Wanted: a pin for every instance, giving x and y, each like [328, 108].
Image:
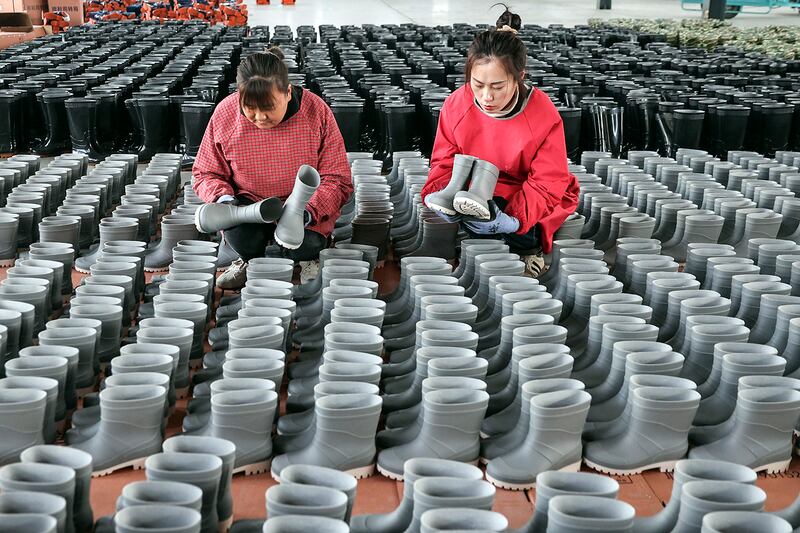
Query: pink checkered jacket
[237, 158]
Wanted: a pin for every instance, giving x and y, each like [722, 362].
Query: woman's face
[492, 85]
[266, 119]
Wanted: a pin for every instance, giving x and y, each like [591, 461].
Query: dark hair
[257, 77]
[504, 46]
[508, 18]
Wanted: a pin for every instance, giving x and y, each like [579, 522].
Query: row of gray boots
[612, 358]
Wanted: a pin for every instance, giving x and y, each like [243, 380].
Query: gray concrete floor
[433, 12]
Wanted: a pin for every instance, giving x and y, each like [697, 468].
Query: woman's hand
[499, 223]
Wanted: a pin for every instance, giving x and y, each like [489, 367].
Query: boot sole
[663, 466]
[468, 206]
[137, 464]
[82, 270]
[774, 468]
[574, 467]
[285, 244]
[441, 209]
[7, 263]
[253, 468]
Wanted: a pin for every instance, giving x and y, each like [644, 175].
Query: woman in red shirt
[495, 117]
[255, 142]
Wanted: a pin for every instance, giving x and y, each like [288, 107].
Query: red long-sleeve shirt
[528, 148]
[237, 158]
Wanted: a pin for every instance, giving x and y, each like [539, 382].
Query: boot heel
[363, 472]
[253, 469]
[774, 468]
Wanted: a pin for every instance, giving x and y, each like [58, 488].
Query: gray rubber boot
[699, 498]
[28, 291]
[536, 328]
[370, 312]
[450, 430]
[466, 275]
[111, 318]
[404, 426]
[648, 442]
[666, 363]
[726, 521]
[766, 324]
[245, 418]
[85, 340]
[534, 361]
[702, 339]
[51, 388]
[399, 520]
[200, 405]
[158, 519]
[552, 443]
[657, 293]
[78, 461]
[289, 231]
[151, 492]
[580, 513]
[24, 505]
[587, 354]
[505, 442]
[180, 337]
[552, 484]
[210, 218]
[442, 201]
[686, 471]
[412, 395]
[322, 477]
[44, 361]
[28, 523]
[613, 332]
[12, 320]
[129, 431]
[56, 368]
[616, 377]
[226, 451]
[685, 303]
[172, 231]
[313, 287]
[303, 523]
[448, 493]
[765, 417]
[47, 478]
[311, 500]
[193, 311]
[111, 229]
[22, 413]
[201, 470]
[344, 438]
[481, 188]
[9, 225]
[452, 519]
[717, 407]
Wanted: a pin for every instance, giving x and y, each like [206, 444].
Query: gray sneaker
[534, 265]
[235, 277]
[309, 270]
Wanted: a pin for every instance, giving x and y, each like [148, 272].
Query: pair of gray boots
[290, 215]
[457, 199]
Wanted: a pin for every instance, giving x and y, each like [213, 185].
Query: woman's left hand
[500, 223]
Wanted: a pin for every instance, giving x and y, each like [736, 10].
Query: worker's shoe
[235, 277]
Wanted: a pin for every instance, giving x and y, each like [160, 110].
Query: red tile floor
[647, 492]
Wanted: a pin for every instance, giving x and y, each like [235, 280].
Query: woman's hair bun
[276, 50]
[507, 18]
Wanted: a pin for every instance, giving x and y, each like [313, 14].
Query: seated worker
[255, 142]
[495, 117]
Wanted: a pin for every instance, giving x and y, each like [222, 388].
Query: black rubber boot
[177, 130]
[349, 115]
[399, 127]
[34, 131]
[687, 129]
[728, 128]
[776, 125]
[81, 117]
[571, 117]
[195, 117]
[56, 140]
[153, 115]
[10, 120]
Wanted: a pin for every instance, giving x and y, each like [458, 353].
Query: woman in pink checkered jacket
[257, 139]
